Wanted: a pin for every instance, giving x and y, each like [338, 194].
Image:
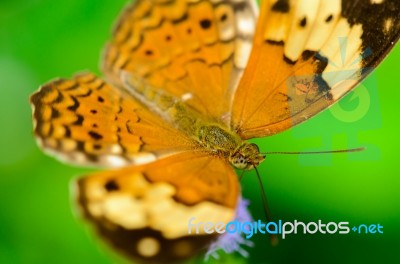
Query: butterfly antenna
[316, 152]
[273, 237]
[241, 175]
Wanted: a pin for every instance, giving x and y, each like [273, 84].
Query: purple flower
[233, 242]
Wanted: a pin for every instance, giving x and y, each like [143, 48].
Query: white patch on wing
[187, 96]
[152, 205]
[302, 20]
[148, 247]
[226, 26]
[112, 160]
[245, 22]
[242, 53]
[122, 209]
[332, 45]
[143, 158]
[327, 16]
[116, 149]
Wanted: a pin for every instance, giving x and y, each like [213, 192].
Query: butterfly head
[246, 156]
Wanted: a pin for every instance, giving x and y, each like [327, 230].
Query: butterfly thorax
[241, 154]
[215, 137]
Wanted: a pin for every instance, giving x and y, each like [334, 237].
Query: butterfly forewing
[195, 49]
[306, 56]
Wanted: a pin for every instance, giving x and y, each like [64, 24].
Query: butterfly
[187, 83]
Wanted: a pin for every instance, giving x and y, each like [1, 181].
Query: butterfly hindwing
[308, 54]
[196, 49]
[86, 121]
[144, 211]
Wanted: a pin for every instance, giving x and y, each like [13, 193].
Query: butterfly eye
[255, 147]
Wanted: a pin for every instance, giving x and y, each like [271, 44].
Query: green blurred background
[44, 39]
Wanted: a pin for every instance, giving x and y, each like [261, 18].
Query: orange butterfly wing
[86, 121]
[307, 55]
[192, 49]
[144, 211]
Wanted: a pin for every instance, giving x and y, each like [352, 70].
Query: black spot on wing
[80, 146]
[149, 52]
[323, 86]
[92, 157]
[303, 22]
[322, 62]
[59, 98]
[74, 86]
[79, 120]
[288, 61]
[55, 113]
[128, 127]
[205, 23]
[95, 135]
[111, 186]
[307, 54]
[223, 17]
[97, 146]
[67, 132]
[75, 105]
[181, 19]
[273, 42]
[281, 6]
[329, 19]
